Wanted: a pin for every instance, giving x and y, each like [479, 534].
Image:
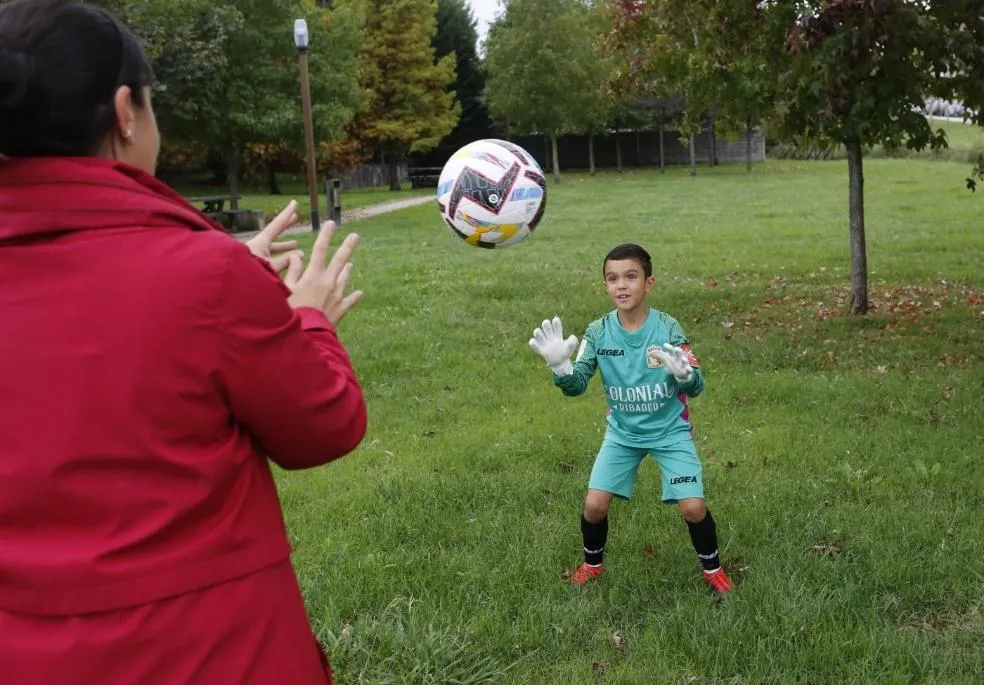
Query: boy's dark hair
[61, 63]
[629, 251]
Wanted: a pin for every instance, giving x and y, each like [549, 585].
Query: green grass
[291, 188]
[843, 455]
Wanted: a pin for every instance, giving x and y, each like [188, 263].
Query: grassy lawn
[842, 456]
[258, 198]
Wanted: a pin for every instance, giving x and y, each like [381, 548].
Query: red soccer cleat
[585, 573]
[718, 581]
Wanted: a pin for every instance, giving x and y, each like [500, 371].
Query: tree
[456, 33]
[543, 72]
[747, 54]
[963, 22]
[669, 47]
[226, 81]
[259, 90]
[859, 70]
[409, 101]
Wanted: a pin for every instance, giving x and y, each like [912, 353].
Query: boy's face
[626, 283]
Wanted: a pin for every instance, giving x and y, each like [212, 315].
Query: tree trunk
[591, 159]
[713, 144]
[859, 260]
[272, 179]
[693, 155]
[618, 151]
[394, 172]
[638, 148]
[748, 144]
[232, 176]
[662, 150]
[553, 157]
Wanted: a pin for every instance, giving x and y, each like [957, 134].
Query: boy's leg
[683, 483]
[594, 525]
[612, 475]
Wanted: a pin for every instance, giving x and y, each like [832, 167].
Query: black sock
[595, 536]
[704, 537]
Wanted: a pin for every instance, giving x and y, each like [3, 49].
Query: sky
[484, 12]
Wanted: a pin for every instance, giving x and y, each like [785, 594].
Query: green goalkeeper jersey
[647, 406]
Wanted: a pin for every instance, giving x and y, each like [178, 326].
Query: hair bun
[17, 74]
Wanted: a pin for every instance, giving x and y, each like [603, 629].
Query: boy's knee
[596, 505]
[693, 509]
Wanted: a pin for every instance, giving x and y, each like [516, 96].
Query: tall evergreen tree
[456, 33]
[410, 103]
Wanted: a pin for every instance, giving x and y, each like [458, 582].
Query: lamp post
[301, 41]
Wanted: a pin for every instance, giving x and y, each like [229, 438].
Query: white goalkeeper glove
[676, 362]
[548, 342]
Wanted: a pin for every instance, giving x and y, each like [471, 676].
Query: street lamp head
[301, 34]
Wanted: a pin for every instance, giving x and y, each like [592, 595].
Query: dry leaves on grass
[828, 549]
[618, 642]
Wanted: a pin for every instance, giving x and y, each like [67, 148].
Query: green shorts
[616, 466]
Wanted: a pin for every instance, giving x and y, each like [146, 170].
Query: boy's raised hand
[676, 362]
[548, 342]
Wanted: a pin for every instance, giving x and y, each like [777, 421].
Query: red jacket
[149, 365]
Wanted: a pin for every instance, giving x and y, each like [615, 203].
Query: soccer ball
[492, 193]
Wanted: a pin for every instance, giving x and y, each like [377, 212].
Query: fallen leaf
[564, 466]
[566, 575]
[731, 465]
[728, 323]
[618, 642]
[599, 667]
[713, 282]
[881, 369]
[828, 549]
[648, 552]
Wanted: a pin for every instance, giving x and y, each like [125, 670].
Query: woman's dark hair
[629, 251]
[61, 63]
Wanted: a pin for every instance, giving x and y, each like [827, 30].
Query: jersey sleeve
[695, 385]
[585, 365]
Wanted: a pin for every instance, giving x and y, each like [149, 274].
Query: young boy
[648, 372]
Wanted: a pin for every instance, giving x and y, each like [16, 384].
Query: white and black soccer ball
[492, 193]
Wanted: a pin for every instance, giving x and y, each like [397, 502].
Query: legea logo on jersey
[611, 353]
[652, 359]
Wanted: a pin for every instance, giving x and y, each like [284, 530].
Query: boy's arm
[678, 338]
[583, 369]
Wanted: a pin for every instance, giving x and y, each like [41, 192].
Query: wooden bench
[233, 219]
[215, 204]
[424, 177]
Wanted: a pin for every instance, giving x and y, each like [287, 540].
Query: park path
[356, 214]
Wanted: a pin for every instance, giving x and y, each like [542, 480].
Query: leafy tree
[409, 104]
[543, 71]
[963, 22]
[669, 47]
[227, 80]
[747, 54]
[859, 70]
